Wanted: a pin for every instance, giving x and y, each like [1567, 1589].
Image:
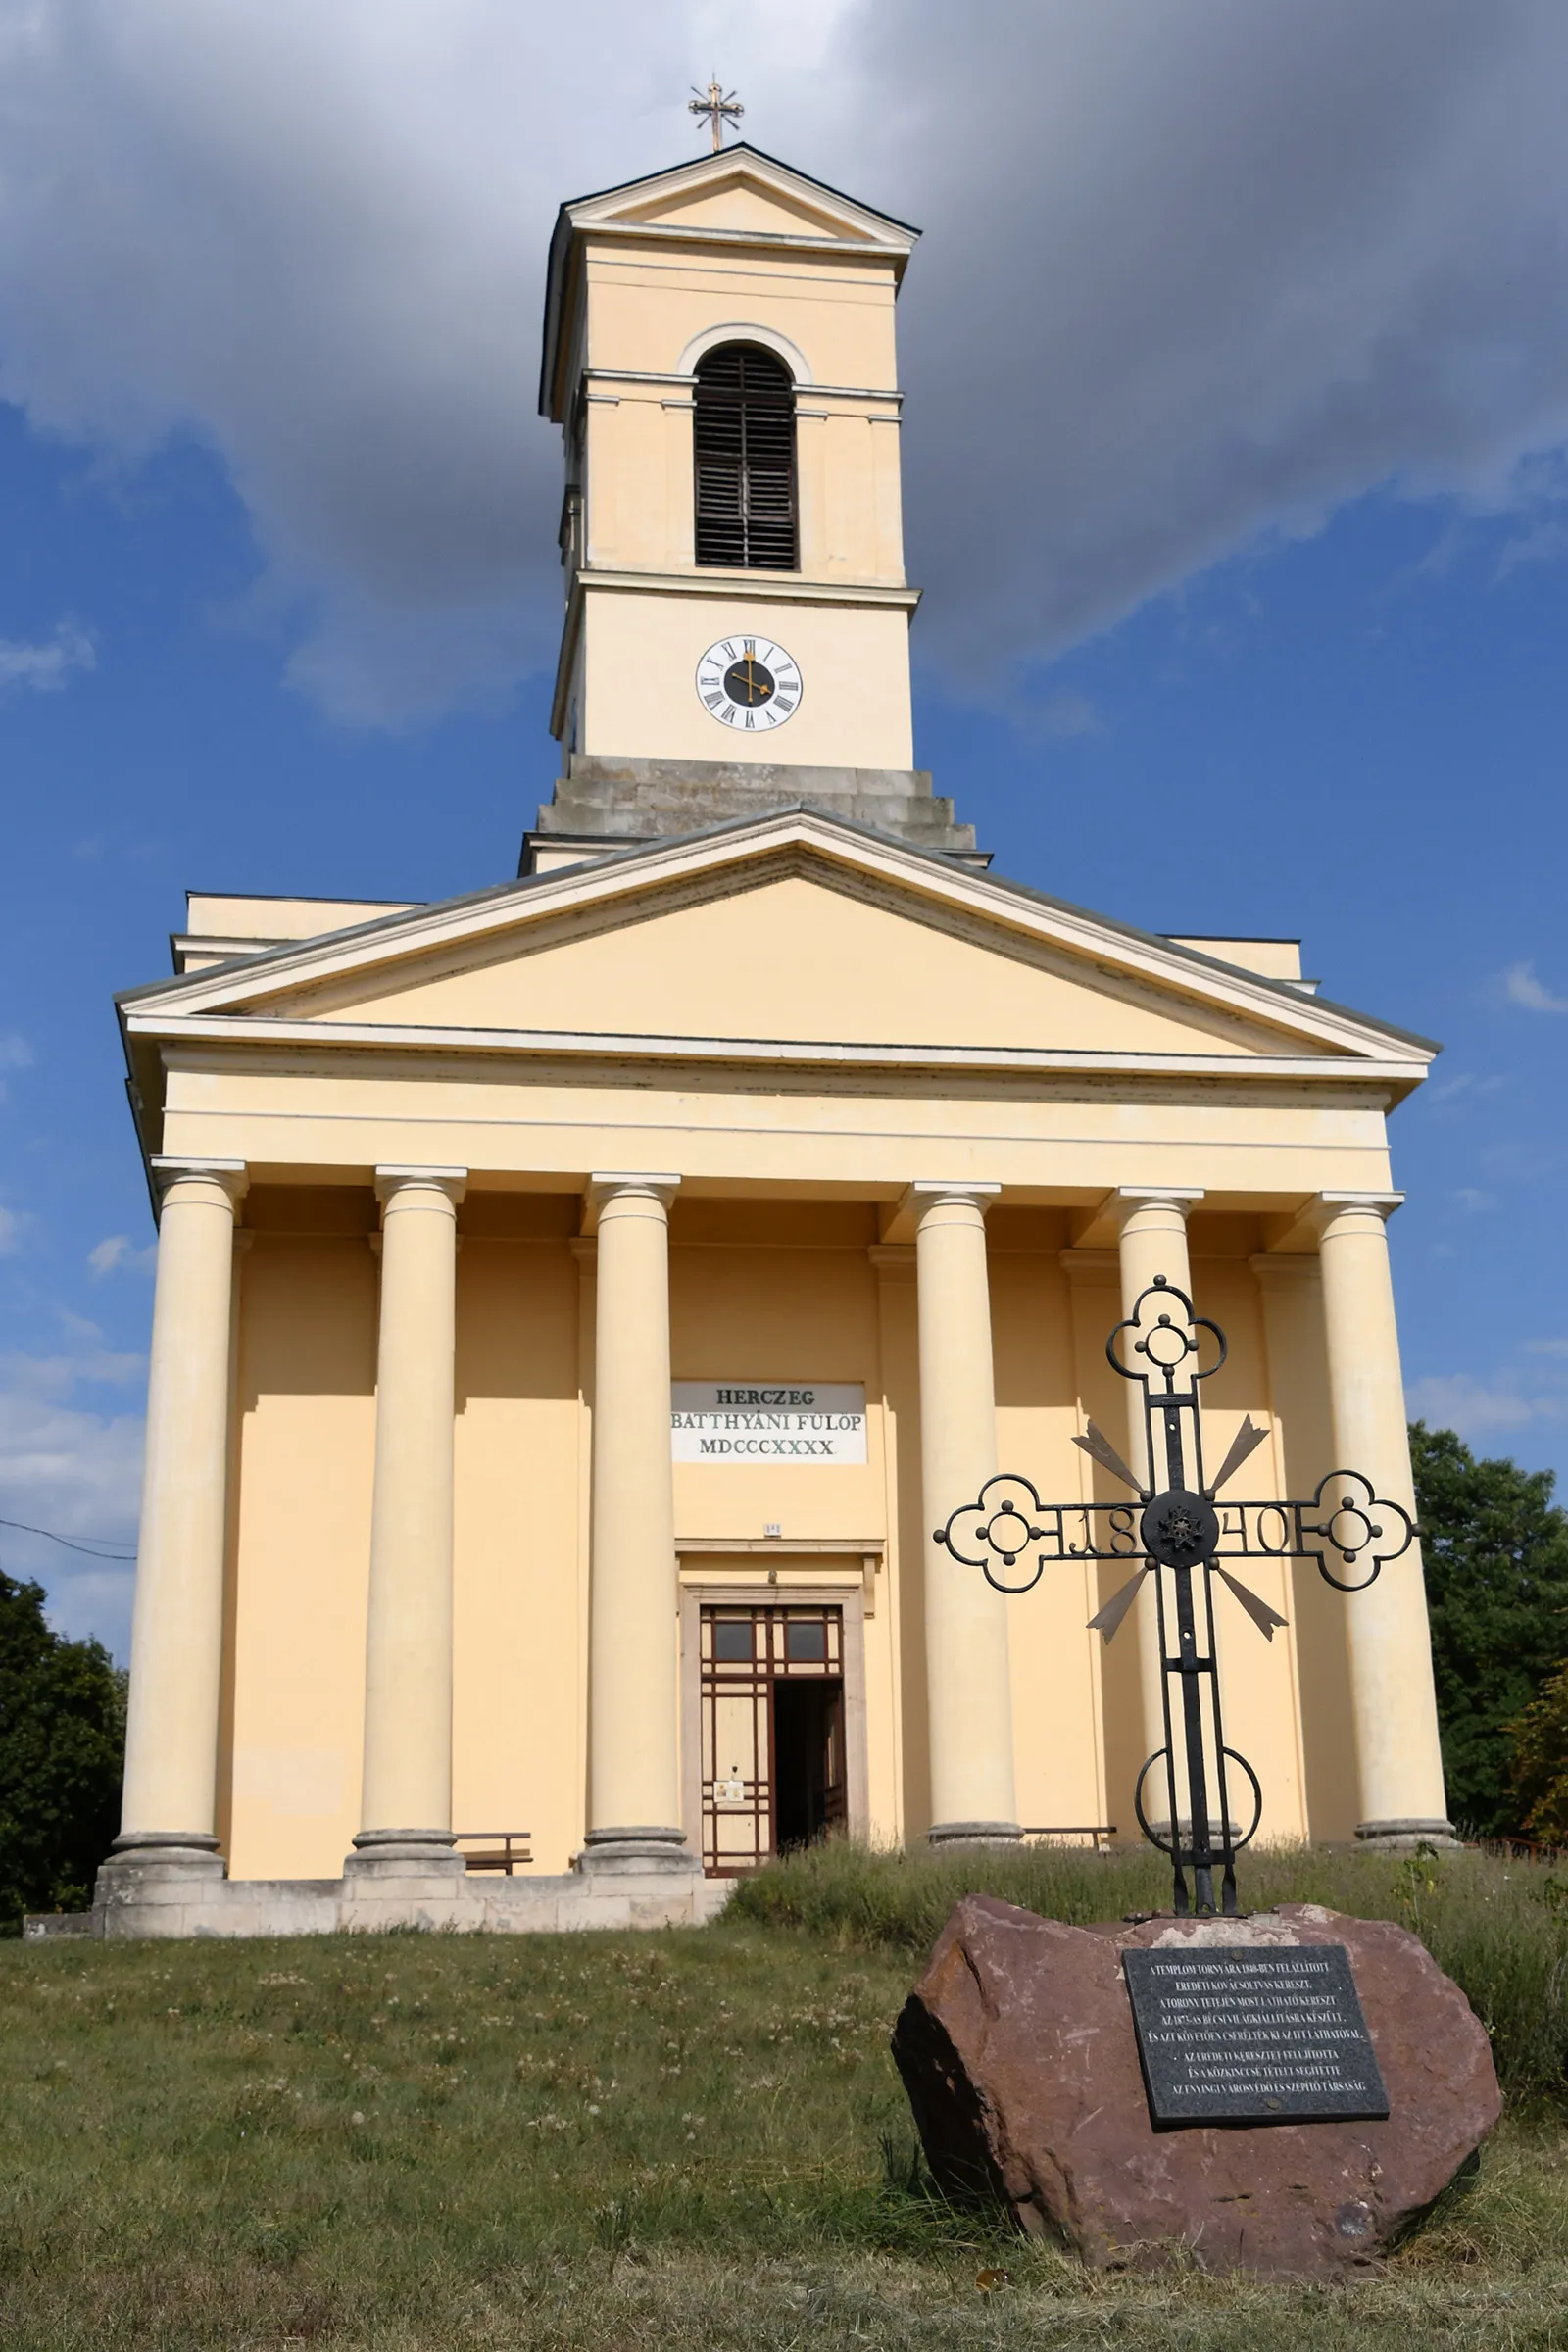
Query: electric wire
[96, 1547]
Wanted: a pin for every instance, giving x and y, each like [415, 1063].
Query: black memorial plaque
[1249, 2034]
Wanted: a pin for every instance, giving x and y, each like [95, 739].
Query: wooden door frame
[698, 1592]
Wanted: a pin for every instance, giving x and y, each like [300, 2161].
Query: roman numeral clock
[749, 682]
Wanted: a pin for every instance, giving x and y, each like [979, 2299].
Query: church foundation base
[475, 1902]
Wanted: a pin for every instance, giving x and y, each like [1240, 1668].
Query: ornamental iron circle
[1180, 1529]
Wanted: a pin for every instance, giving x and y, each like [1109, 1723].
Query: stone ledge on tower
[602, 804]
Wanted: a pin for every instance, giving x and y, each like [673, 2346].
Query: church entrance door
[772, 1700]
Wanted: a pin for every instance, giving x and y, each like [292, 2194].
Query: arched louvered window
[745, 452]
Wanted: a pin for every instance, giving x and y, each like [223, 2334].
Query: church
[580, 1303]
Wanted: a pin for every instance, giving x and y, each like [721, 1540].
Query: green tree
[1496, 1558]
[1540, 1763]
[62, 1745]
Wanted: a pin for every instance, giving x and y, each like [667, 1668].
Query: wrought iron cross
[718, 105]
[1185, 1538]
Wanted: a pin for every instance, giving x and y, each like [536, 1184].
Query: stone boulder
[1018, 2053]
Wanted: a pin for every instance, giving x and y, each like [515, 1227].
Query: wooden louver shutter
[745, 454]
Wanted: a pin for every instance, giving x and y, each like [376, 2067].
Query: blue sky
[1206, 661]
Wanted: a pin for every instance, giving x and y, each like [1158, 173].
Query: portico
[423, 1530]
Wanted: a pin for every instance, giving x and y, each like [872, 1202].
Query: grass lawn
[686, 2140]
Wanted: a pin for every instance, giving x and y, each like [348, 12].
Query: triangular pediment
[743, 191]
[745, 203]
[739, 196]
[793, 936]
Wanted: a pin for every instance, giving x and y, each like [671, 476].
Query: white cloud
[1193, 272]
[1444, 1095]
[1477, 1407]
[86, 1360]
[15, 1052]
[45, 668]
[11, 1226]
[1521, 987]
[117, 1249]
[1066, 715]
[80, 1474]
[1473, 1200]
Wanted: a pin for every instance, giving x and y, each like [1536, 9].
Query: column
[969, 1697]
[1291, 1289]
[633, 1660]
[406, 1795]
[1152, 1240]
[176, 1648]
[1392, 1695]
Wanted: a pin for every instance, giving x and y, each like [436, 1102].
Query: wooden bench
[1101, 1831]
[499, 1849]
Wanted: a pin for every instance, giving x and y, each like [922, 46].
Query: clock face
[749, 683]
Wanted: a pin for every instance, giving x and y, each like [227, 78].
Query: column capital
[169, 1168]
[619, 1183]
[1129, 1198]
[1328, 1207]
[392, 1180]
[927, 1193]
[926, 1189]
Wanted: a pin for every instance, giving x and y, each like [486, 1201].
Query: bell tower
[719, 355]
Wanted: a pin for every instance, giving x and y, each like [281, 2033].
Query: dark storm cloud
[1214, 269]
[1195, 270]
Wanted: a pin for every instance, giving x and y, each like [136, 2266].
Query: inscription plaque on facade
[1249, 2033]
[768, 1421]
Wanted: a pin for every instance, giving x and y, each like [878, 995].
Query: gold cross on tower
[717, 106]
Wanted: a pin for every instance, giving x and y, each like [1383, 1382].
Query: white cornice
[680, 380]
[786, 240]
[746, 587]
[174, 1030]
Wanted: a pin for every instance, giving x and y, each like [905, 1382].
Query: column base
[140, 1857]
[403, 1854]
[635, 1850]
[1403, 1836]
[975, 1833]
[155, 1876]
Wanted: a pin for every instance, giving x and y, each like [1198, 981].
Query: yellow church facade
[579, 1302]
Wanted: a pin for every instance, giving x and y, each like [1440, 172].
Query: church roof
[828, 218]
[1319, 1022]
